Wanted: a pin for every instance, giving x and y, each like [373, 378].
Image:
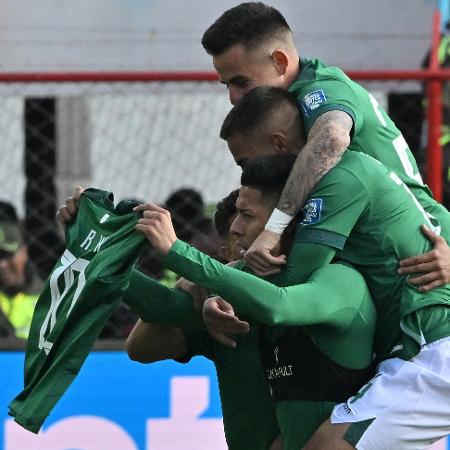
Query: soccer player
[252, 45]
[362, 213]
[326, 318]
[171, 328]
[305, 388]
[248, 413]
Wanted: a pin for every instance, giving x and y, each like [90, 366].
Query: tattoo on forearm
[327, 141]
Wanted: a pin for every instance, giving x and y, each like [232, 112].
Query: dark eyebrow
[244, 210]
[238, 79]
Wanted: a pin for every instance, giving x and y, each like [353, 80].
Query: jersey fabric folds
[82, 291]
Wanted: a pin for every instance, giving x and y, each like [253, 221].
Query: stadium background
[145, 138]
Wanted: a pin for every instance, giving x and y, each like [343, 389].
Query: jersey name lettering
[86, 244]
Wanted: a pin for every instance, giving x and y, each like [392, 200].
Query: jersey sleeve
[322, 96]
[269, 304]
[199, 343]
[337, 203]
[156, 303]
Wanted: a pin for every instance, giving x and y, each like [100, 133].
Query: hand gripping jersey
[81, 292]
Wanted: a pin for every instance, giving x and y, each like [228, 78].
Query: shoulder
[362, 166]
[313, 72]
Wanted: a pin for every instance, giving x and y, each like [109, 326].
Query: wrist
[278, 221]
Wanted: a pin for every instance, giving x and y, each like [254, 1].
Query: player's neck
[294, 72]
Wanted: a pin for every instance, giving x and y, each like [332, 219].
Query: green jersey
[370, 218]
[320, 88]
[248, 413]
[335, 338]
[82, 291]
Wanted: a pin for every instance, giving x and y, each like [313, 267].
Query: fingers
[265, 259]
[427, 282]
[149, 208]
[430, 286]
[223, 338]
[422, 263]
[431, 235]
[423, 279]
[219, 317]
[78, 191]
[63, 216]
[66, 213]
[230, 325]
[265, 264]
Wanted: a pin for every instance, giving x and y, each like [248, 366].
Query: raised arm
[156, 303]
[318, 301]
[327, 140]
[150, 342]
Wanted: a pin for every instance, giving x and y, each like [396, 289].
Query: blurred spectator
[190, 222]
[444, 61]
[19, 285]
[187, 209]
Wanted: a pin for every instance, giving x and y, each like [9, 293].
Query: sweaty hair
[255, 108]
[225, 211]
[248, 24]
[268, 173]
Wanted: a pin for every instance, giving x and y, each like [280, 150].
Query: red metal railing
[433, 76]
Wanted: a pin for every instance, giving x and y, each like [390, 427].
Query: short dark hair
[268, 173]
[254, 108]
[225, 211]
[247, 24]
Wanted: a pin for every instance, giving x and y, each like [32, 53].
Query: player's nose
[235, 227]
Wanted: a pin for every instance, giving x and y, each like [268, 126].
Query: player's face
[242, 70]
[253, 213]
[242, 148]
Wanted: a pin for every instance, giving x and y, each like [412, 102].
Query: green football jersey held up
[82, 291]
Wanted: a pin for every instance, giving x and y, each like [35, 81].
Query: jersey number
[399, 143]
[70, 266]
[428, 217]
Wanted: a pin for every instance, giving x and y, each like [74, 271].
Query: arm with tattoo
[327, 141]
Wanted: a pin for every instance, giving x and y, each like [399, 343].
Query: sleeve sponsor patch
[312, 211]
[312, 101]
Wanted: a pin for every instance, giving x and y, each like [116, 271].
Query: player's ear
[278, 141]
[280, 60]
